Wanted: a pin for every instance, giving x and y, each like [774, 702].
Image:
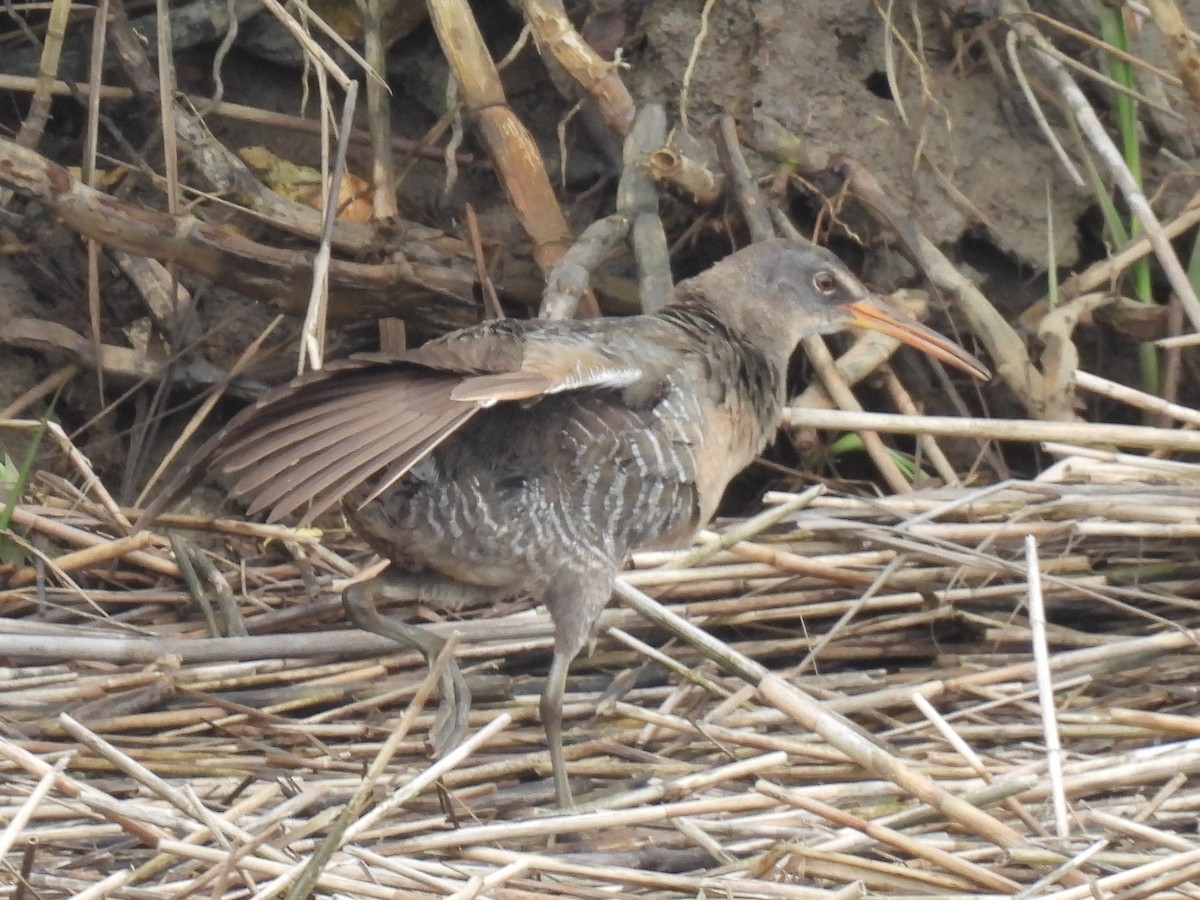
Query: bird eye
[824, 282]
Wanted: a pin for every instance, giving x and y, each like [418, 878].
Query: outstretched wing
[304, 446]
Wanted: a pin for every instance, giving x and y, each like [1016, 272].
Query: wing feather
[306, 445]
[550, 368]
[343, 473]
[284, 441]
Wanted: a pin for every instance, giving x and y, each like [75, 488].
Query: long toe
[450, 723]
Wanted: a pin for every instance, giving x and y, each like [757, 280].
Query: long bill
[876, 315]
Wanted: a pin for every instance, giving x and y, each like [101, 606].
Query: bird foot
[360, 599]
[450, 722]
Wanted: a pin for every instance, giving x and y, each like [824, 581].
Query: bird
[532, 457]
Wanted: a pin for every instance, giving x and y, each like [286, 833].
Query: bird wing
[548, 368]
[304, 446]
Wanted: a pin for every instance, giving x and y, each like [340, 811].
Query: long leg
[575, 605]
[551, 707]
[359, 601]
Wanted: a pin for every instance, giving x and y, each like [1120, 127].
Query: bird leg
[551, 708]
[360, 602]
[576, 600]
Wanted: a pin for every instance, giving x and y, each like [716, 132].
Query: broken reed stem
[1041, 661]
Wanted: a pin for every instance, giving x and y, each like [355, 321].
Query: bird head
[778, 292]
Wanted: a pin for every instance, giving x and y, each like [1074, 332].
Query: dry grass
[144, 757]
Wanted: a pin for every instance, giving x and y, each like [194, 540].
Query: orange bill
[877, 315]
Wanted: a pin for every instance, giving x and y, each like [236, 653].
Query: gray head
[777, 292]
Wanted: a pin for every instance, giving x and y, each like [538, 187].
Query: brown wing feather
[392, 394]
[550, 367]
[322, 466]
[302, 419]
[402, 465]
[281, 439]
[308, 444]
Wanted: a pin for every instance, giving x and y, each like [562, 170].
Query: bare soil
[924, 103]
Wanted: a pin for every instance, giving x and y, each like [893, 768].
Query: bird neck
[745, 376]
[747, 325]
[739, 393]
